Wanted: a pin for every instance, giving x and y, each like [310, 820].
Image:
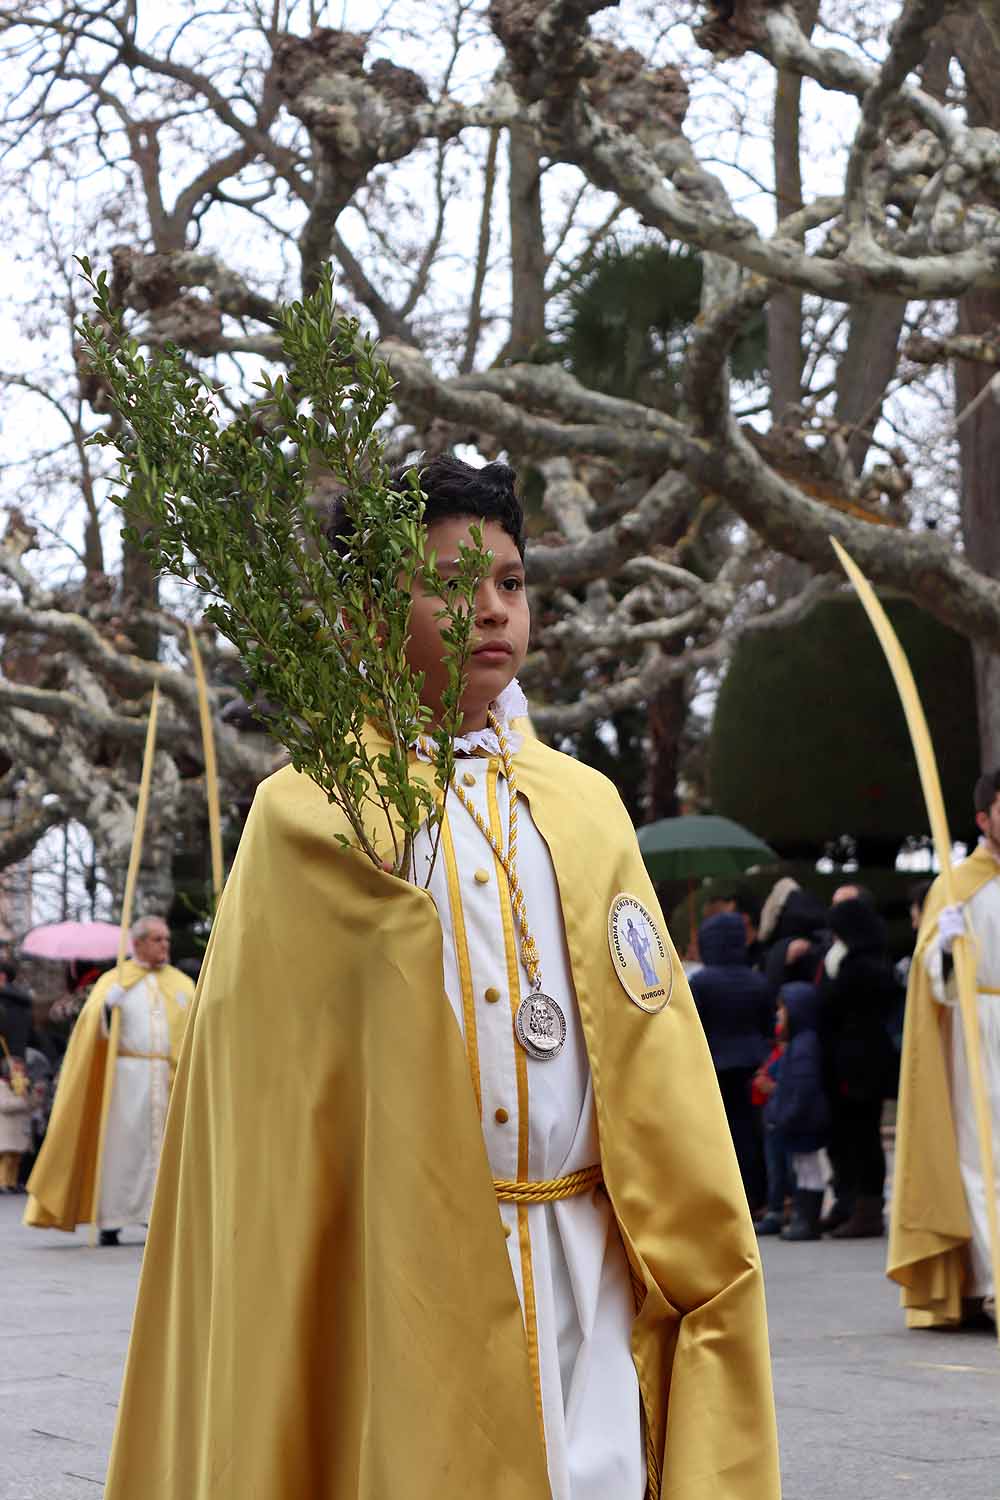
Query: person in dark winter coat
[860, 996]
[799, 940]
[799, 1106]
[15, 1010]
[737, 1011]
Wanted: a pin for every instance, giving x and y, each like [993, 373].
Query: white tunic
[983, 920]
[138, 1110]
[538, 1120]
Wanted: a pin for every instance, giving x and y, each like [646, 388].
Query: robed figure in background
[939, 1248]
[152, 998]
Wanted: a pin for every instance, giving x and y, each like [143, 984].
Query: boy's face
[502, 620]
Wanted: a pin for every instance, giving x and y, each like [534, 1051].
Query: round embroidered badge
[639, 954]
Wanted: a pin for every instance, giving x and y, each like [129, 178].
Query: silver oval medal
[540, 1026]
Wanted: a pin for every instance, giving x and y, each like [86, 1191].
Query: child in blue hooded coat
[799, 1107]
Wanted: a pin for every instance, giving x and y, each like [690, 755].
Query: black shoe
[109, 1236]
[840, 1212]
[805, 1219]
[771, 1223]
[866, 1222]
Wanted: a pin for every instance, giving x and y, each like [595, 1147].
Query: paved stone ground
[867, 1410]
[66, 1311]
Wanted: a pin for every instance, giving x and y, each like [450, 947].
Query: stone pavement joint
[66, 1315]
[865, 1408]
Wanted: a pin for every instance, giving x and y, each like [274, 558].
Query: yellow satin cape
[327, 1310]
[930, 1228]
[61, 1185]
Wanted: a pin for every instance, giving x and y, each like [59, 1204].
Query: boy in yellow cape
[939, 1238]
[448, 1208]
[154, 1000]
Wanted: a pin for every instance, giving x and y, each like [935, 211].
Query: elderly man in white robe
[143, 1074]
[152, 999]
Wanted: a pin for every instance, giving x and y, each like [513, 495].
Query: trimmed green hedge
[809, 740]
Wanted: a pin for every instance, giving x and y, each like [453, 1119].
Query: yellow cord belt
[548, 1191]
[149, 1056]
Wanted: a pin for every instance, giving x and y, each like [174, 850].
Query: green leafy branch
[228, 508]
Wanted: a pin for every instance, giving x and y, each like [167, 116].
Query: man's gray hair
[144, 925]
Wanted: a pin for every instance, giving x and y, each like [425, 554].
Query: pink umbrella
[69, 940]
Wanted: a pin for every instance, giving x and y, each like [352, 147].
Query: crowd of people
[27, 1070]
[802, 1008]
[31, 1056]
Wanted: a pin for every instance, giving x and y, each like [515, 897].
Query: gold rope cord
[548, 1190]
[962, 952]
[211, 769]
[135, 859]
[508, 860]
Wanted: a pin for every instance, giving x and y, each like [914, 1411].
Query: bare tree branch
[421, 390]
[631, 690]
[474, 324]
[782, 41]
[909, 45]
[983, 348]
[32, 824]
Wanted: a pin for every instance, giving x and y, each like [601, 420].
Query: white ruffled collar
[511, 704]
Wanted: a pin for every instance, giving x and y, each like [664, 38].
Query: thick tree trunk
[979, 432]
[666, 717]
[784, 309]
[866, 368]
[527, 247]
[141, 591]
[987, 665]
[979, 445]
[112, 826]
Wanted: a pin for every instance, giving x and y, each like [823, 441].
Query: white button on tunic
[539, 1122]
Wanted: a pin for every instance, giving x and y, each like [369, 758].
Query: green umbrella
[691, 847]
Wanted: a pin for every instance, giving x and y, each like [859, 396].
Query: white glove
[951, 924]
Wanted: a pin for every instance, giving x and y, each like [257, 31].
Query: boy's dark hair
[452, 488]
[986, 791]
